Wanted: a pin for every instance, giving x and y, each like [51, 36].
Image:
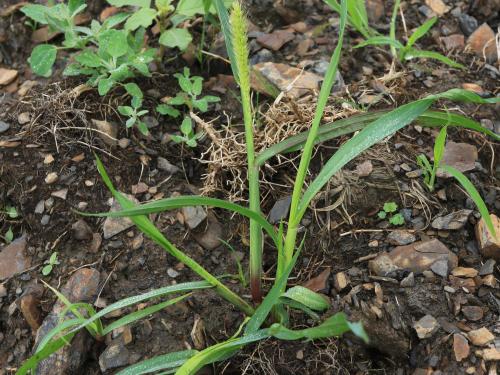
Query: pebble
[482, 43]
[23, 118]
[172, 273]
[29, 305]
[280, 210]
[464, 272]
[51, 178]
[107, 131]
[165, 165]
[114, 225]
[489, 247]
[45, 220]
[455, 220]
[115, 355]
[408, 281]
[61, 194]
[48, 159]
[480, 337]
[426, 327]
[340, 281]
[3, 291]
[449, 289]
[401, 237]
[82, 205]
[468, 24]
[473, 313]
[193, 215]
[460, 347]
[13, 258]
[4, 126]
[487, 268]
[81, 230]
[124, 143]
[40, 207]
[440, 268]
[491, 354]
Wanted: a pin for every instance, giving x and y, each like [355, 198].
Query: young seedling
[429, 171]
[47, 269]
[389, 211]
[189, 137]
[9, 235]
[405, 52]
[134, 114]
[357, 16]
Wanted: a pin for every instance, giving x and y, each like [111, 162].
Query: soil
[337, 239]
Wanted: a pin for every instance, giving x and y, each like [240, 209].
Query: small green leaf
[36, 12]
[9, 235]
[130, 122]
[134, 90]
[143, 128]
[177, 100]
[439, 146]
[390, 207]
[47, 270]
[421, 31]
[197, 85]
[144, 17]
[397, 219]
[415, 53]
[105, 85]
[186, 126]
[201, 104]
[53, 258]
[382, 214]
[125, 110]
[137, 3]
[89, 59]
[42, 59]
[165, 109]
[12, 212]
[211, 98]
[176, 37]
[113, 42]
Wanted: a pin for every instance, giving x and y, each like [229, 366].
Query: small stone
[124, 143]
[26, 86]
[114, 225]
[460, 347]
[107, 131]
[340, 281]
[115, 355]
[30, 308]
[124, 333]
[473, 313]
[452, 42]
[7, 76]
[426, 327]
[438, 6]
[375, 10]
[488, 245]
[45, 220]
[172, 273]
[210, 239]
[140, 188]
[48, 159]
[449, 289]
[24, 118]
[198, 333]
[482, 43]
[401, 237]
[40, 207]
[464, 272]
[475, 88]
[467, 23]
[51, 178]
[440, 268]
[408, 281]
[81, 230]
[319, 282]
[4, 126]
[467, 285]
[455, 220]
[491, 354]
[13, 258]
[137, 242]
[82, 205]
[165, 165]
[61, 194]
[461, 156]
[275, 40]
[480, 337]
[280, 210]
[299, 355]
[193, 215]
[373, 243]
[96, 242]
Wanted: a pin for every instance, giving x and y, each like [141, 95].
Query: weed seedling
[47, 269]
[390, 211]
[9, 235]
[134, 113]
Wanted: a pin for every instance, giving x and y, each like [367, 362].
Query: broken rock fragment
[453, 221]
[461, 156]
[275, 40]
[460, 347]
[480, 337]
[417, 257]
[482, 43]
[426, 326]
[489, 246]
[114, 225]
[13, 258]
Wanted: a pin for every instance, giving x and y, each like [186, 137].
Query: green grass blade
[272, 298]
[61, 327]
[226, 30]
[307, 297]
[474, 194]
[183, 201]
[380, 41]
[392, 30]
[421, 31]
[415, 53]
[439, 145]
[130, 318]
[147, 227]
[219, 352]
[161, 362]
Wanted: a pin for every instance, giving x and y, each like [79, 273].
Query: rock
[275, 40]
[482, 43]
[460, 347]
[464, 272]
[124, 143]
[408, 281]
[364, 169]
[140, 188]
[461, 156]
[282, 76]
[438, 6]
[7, 76]
[81, 230]
[452, 42]
[4, 126]
[48, 159]
[172, 273]
[108, 131]
[26, 87]
[40, 207]
[3, 291]
[340, 281]
[488, 245]
[458, 283]
[480, 337]
[475, 88]
[165, 165]
[137, 241]
[115, 355]
[319, 282]
[426, 327]
[440, 268]
[198, 333]
[416, 257]
[491, 354]
[95, 244]
[375, 10]
[61, 194]
[489, 280]
[467, 24]
[51, 178]
[45, 220]
[453, 221]
[81, 287]
[193, 215]
[473, 313]
[23, 118]
[114, 225]
[401, 237]
[13, 259]
[487, 268]
[210, 239]
[280, 210]
[30, 308]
